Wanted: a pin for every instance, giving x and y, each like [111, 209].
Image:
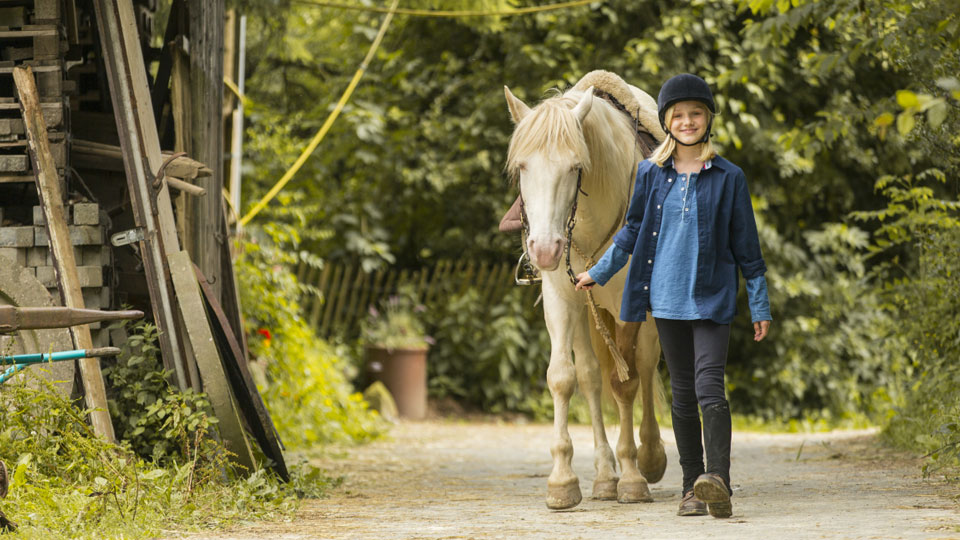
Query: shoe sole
[716, 497]
[692, 513]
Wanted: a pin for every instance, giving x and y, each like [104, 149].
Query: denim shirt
[726, 239]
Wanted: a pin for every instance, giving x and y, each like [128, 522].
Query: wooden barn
[112, 167]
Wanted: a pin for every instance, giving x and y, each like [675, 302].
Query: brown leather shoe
[690, 505]
[711, 489]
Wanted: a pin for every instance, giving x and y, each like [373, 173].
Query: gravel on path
[461, 480]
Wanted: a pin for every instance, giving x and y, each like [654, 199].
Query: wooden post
[205, 24]
[64, 262]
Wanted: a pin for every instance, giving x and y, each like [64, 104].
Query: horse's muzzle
[545, 252]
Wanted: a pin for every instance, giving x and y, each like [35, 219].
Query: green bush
[68, 483]
[493, 357]
[919, 239]
[159, 422]
[302, 378]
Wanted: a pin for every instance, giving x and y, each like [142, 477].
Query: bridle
[571, 222]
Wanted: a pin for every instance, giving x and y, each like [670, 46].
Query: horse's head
[547, 152]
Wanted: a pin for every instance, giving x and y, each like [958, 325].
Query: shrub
[301, 376]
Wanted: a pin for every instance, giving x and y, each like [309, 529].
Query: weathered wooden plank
[341, 292]
[200, 340]
[48, 189]
[137, 131]
[205, 22]
[329, 299]
[252, 408]
[317, 308]
[30, 32]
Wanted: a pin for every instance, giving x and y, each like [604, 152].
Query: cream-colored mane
[605, 147]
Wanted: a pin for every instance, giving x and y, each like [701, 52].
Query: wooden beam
[201, 342]
[137, 132]
[65, 265]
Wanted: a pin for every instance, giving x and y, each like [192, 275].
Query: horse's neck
[601, 212]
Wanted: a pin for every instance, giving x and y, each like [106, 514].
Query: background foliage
[301, 377]
[843, 114]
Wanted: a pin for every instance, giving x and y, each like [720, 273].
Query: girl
[689, 227]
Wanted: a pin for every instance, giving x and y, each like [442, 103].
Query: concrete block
[17, 255]
[90, 276]
[39, 218]
[92, 256]
[16, 237]
[80, 235]
[91, 298]
[86, 214]
[38, 256]
[105, 298]
[47, 276]
[118, 337]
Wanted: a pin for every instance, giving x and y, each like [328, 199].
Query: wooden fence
[338, 296]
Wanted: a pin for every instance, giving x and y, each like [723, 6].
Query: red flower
[267, 336]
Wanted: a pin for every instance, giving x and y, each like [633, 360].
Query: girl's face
[689, 122]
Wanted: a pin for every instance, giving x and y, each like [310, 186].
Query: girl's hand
[760, 330]
[584, 281]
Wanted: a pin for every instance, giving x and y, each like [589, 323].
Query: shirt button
[687, 209]
[649, 261]
[669, 179]
[646, 288]
[654, 233]
[658, 207]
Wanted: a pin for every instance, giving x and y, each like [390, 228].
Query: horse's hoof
[563, 497]
[605, 490]
[652, 463]
[635, 491]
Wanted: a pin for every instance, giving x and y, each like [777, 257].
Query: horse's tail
[605, 357]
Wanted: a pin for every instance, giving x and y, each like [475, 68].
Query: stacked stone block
[28, 245]
[31, 34]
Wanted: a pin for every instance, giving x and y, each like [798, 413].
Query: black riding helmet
[685, 87]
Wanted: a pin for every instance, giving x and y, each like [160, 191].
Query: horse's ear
[518, 109]
[583, 108]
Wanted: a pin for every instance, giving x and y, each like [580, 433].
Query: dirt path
[436, 480]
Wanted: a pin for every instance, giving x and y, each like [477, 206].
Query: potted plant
[396, 346]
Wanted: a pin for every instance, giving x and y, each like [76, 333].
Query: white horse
[578, 151]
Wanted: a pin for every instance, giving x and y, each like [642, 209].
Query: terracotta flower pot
[404, 372]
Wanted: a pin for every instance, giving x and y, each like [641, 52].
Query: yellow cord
[326, 125]
[450, 13]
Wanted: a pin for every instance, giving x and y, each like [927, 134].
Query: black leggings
[696, 354]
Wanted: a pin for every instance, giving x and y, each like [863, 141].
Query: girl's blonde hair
[667, 148]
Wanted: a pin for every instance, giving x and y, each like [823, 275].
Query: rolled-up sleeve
[744, 240]
[758, 298]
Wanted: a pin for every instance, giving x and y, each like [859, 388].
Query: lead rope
[623, 371]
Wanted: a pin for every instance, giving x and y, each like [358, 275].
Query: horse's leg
[652, 459]
[563, 488]
[588, 376]
[633, 486]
